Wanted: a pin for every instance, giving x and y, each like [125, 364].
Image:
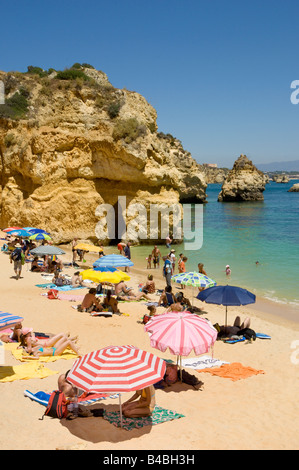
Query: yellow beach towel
[34, 370]
[19, 354]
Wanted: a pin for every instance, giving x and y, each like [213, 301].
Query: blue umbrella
[113, 260]
[104, 269]
[33, 231]
[226, 295]
[20, 233]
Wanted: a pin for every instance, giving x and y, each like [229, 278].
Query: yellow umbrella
[98, 276]
[87, 247]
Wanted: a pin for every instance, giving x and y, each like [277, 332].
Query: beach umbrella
[39, 236]
[104, 269]
[47, 250]
[116, 369]
[193, 279]
[98, 276]
[9, 229]
[87, 247]
[19, 233]
[227, 295]
[114, 260]
[8, 320]
[33, 231]
[181, 332]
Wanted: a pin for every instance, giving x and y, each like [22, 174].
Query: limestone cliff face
[79, 143]
[243, 183]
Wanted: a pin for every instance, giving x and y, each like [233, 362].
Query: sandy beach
[259, 412]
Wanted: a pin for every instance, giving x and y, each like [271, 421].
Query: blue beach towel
[60, 288]
[43, 398]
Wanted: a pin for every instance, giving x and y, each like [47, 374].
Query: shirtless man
[90, 302]
[156, 254]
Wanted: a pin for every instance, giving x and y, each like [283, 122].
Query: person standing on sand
[127, 253]
[201, 271]
[156, 254]
[167, 270]
[16, 258]
[74, 243]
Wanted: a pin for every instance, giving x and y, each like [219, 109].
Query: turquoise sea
[239, 234]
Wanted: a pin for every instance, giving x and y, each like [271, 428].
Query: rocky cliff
[70, 141]
[243, 183]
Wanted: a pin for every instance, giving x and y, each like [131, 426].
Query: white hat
[17, 245]
[172, 251]
[227, 266]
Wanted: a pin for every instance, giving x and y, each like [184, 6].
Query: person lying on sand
[49, 347]
[125, 293]
[227, 331]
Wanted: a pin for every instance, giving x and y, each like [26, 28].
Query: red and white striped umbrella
[116, 369]
[181, 332]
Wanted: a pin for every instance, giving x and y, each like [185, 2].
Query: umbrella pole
[120, 411]
[181, 368]
[226, 315]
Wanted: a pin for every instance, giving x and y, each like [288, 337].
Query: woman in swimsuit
[45, 347]
[59, 348]
[142, 403]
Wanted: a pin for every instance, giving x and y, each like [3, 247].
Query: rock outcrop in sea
[70, 141]
[294, 188]
[243, 183]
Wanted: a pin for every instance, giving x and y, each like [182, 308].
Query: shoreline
[266, 308]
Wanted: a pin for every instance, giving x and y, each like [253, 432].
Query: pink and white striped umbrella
[181, 332]
[116, 369]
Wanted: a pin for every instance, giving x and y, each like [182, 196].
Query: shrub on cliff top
[16, 106]
[129, 130]
[71, 74]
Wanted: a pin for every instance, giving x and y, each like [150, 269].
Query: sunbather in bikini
[47, 347]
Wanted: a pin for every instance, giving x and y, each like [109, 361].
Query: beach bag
[57, 405]
[247, 333]
[53, 294]
[16, 255]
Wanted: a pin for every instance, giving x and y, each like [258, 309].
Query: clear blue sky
[217, 72]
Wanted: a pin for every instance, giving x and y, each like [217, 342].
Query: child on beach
[227, 270]
[149, 262]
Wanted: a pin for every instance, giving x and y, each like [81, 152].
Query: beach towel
[86, 399]
[33, 370]
[18, 354]
[70, 297]
[50, 285]
[202, 362]
[160, 415]
[234, 371]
